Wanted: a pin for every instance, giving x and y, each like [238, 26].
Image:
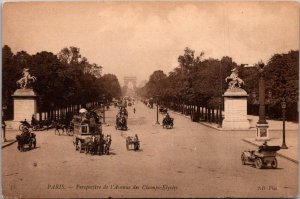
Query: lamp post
[262, 125]
[268, 102]
[283, 106]
[157, 122]
[3, 125]
[103, 108]
[220, 113]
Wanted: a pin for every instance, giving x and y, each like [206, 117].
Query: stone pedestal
[235, 109]
[24, 106]
[262, 132]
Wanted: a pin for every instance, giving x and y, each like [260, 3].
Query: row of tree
[199, 81]
[62, 79]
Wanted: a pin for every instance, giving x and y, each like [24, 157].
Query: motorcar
[262, 157]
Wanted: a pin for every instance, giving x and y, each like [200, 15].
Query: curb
[221, 129]
[8, 144]
[283, 156]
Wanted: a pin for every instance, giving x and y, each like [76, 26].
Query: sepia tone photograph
[154, 99]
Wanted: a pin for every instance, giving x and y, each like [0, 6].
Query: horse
[107, 142]
[91, 145]
[235, 81]
[23, 82]
[59, 126]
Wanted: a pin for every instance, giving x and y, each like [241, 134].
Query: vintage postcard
[154, 99]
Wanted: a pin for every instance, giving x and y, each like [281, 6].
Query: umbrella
[83, 110]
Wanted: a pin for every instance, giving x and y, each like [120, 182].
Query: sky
[137, 38]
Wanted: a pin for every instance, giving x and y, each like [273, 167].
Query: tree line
[199, 81]
[63, 79]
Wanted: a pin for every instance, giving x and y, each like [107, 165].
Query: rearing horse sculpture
[24, 81]
[235, 80]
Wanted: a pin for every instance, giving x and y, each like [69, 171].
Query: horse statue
[235, 81]
[26, 79]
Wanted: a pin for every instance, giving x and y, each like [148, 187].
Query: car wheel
[21, 127]
[243, 158]
[258, 163]
[274, 164]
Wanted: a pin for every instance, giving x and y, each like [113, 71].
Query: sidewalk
[275, 135]
[10, 137]
[291, 141]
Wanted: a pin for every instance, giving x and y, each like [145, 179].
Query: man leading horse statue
[25, 81]
[235, 81]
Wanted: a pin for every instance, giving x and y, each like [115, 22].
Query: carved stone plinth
[24, 106]
[235, 109]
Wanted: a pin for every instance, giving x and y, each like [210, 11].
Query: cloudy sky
[134, 38]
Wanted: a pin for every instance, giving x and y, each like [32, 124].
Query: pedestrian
[134, 110]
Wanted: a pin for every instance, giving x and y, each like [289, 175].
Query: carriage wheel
[274, 164]
[21, 127]
[243, 158]
[258, 163]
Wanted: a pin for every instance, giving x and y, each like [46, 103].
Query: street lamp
[220, 113]
[262, 125]
[157, 122]
[3, 125]
[283, 106]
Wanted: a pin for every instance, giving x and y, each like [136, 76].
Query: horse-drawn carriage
[121, 119]
[121, 122]
[27, 139]
[132, 143]
[82, 131]
[168, 122]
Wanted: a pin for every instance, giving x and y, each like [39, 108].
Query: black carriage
[132, 143]
[26, 139]
[121, 122]
[168, 122]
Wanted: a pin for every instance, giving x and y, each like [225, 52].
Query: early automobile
[262, 157]
[26, 140]
[83, 131]
[133, 143]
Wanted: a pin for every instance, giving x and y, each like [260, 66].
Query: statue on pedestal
[235, 81]
[25, 81]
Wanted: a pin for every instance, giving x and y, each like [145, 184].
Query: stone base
[235, 109]
[24, 104]
[236, 125]
[12, 125]
[262, 132]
